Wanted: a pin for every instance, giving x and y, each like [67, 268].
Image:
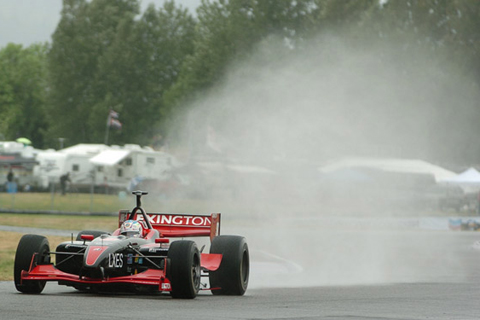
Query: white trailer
[117, 167]
[52, 164]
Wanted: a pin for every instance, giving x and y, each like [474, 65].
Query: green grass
[61, 222]
[9, 241]
[46, 202]
[77, 202]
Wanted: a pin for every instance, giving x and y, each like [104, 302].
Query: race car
[141, 256]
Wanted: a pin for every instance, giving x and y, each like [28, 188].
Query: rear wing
[179, 225]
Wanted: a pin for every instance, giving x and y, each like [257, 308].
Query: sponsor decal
[138, 259]
[93, 252]
[129, 258]
[115, 260]
[155, 250]
[178, 220]
[166, 286]
[49, 165]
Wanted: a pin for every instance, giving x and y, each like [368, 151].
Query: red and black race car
[147, 263]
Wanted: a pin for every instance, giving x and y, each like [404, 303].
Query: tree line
[147, 66]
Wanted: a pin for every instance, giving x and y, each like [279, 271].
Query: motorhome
[51, 165]
[118, 166]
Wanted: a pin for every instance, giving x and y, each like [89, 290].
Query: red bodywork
[180, 225]
[168, 226]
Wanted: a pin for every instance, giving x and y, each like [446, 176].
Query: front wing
[154, 277]
[49, 273]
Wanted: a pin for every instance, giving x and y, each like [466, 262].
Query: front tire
[29, 245]
[232, 276]
[183, 269]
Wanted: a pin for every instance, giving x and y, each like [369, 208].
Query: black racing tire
[29, 245]
[232, 275]
[94, 233]
[183, 269]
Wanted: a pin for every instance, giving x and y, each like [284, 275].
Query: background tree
[143, 61]
[228, 31]
[104, 58]
[23, 88]
[448, 33]
[147, 66]
[84, 34]
[406, 45]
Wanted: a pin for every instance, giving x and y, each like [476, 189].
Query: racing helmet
[131, 228]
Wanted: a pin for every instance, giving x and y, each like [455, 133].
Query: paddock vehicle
[153, 262]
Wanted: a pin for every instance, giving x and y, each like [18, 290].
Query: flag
[112, 120]
[115, 123]
[113, 114]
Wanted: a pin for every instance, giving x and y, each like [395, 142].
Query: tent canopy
[469, 176]
[109, 157]
[390, 165]
[24, 140]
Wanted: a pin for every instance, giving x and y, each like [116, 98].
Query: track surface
[401, 301]
[309, 275]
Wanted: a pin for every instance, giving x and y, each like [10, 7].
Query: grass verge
[9, 241]
[61, 222]
[73, 202]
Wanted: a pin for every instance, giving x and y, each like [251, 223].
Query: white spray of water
[289, 113]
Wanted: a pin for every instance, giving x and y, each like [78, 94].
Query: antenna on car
[138, 207]
[139, 195]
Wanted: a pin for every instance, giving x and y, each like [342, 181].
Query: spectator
[63, 182]
[10, 175]
[11, 184]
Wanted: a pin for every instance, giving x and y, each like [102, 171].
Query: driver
[131, 228]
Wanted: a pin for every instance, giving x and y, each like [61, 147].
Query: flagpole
[107, 129]
[112, 120]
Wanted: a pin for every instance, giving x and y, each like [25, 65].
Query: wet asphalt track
[436, 275]
[401, 301]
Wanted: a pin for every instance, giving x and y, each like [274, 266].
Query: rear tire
[232, 275]
[29, 245]
[183, 269]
